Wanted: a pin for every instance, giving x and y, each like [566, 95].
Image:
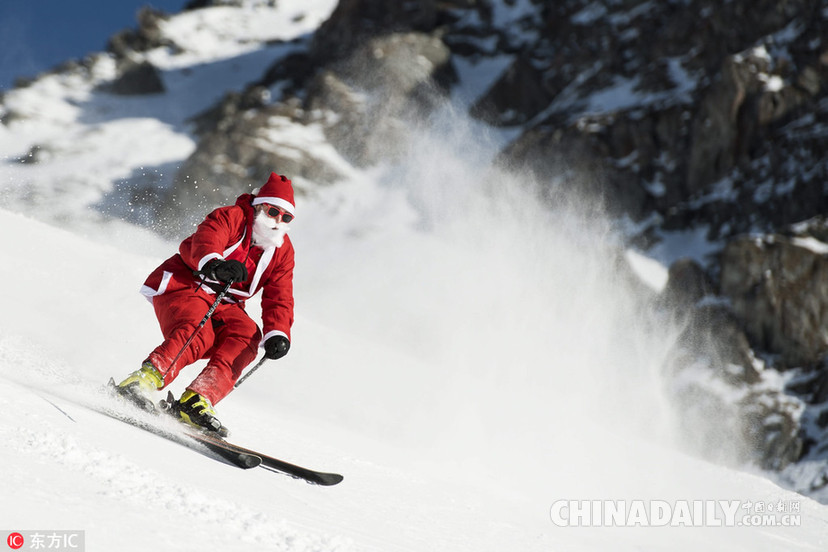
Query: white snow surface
[440, 448]
[457, 418]
[465, 357]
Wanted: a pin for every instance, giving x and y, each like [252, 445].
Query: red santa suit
[181, 297]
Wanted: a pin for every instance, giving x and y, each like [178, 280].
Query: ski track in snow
[48, 435]
[116, 479]
[87, 460]
[462, 491]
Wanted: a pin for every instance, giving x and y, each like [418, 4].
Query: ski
[213, 445]
[238, 459]
[268, 462]
[235, 458]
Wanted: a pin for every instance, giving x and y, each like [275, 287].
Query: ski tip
[328, 479]
[248, 461]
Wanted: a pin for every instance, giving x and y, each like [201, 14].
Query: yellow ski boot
[139, 386]
[197, 411]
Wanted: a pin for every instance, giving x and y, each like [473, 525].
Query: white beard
[267, 232]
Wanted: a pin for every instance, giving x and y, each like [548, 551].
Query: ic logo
[15, 541]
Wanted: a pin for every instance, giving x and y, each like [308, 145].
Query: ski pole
[250, 373]
[219, 296]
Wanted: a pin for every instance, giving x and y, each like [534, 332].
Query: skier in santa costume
[244, 245]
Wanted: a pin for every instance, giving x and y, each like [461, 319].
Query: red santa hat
[277, 192]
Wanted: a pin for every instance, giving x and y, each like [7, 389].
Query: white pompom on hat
[278, 191]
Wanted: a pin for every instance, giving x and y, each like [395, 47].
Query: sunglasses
[276, 213]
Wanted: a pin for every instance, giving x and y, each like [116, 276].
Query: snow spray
[488, 326]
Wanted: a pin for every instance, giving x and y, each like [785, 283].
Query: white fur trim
[207, 258]
[149, 293]
[235, 246]
[276, 201]
[261, 267]
[272, 333]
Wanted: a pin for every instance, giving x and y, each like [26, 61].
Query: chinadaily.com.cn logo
[676, 513]
[46, 541]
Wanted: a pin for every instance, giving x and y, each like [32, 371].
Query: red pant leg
[179, 313]
[235, 346]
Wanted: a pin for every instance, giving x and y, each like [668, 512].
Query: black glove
[276, 347]
[225, 271]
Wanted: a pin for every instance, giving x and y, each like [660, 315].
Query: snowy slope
[441, 449]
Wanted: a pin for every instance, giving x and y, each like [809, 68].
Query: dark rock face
[138, 77]
[761, 426]
[771, 428]
[359, 103]
[353, 22]
[633, 87]
[373, 91]
[146, 37]
[516, 97]
[779, 288]
[137, 80]
[241, 145]
[358, 81]
[687, 285]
